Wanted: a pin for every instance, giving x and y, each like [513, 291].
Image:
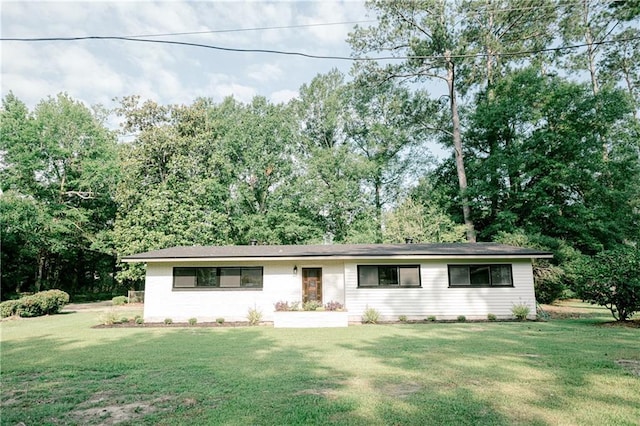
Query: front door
[311, 284]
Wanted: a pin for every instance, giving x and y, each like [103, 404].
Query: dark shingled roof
[338, 250]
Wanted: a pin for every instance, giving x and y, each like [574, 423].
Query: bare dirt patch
[318, 392]
[111, 413]
[632, 365]
[568, 309]
[402, 390]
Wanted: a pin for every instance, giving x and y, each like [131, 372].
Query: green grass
[58, 370]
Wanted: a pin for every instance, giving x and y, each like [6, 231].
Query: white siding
[436, 298]
[279, 283]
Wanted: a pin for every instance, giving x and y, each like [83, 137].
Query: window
[220, 278]
[480, 276]
[388, 276]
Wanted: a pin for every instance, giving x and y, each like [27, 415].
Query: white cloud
[97, 71]
[265, 72]
[283, 96]
[221, 86]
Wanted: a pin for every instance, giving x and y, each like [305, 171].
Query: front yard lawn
[59, 370]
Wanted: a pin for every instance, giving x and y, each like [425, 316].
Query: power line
[237, 30]
[308, 55]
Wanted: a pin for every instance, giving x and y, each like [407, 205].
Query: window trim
[216, 288]
[397, 266]
[490, 285]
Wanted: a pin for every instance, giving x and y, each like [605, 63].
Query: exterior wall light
[295, 270]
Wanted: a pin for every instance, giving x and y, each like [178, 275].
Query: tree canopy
[536, 102]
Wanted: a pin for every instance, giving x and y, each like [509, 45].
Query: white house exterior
[412, 280]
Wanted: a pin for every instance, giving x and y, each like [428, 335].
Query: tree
[426, 36]
[385, 126]
[421, 224]
[538, 164]
[59, 175]
[329, 173]
[611, 279]
[176, 179]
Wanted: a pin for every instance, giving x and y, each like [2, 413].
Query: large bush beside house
[611, 279]
[42, 303]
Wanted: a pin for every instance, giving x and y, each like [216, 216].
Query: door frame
[319, 294]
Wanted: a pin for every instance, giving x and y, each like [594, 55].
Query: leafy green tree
[611, 279]
[58, 179]
[329, 173]
[426, 36]
[385, 126]
[538, 163]
[421, 224]
[176, 179]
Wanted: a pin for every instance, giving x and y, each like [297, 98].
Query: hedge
[35, 305]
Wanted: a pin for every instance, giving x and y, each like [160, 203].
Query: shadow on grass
[369, 375]
[529, 372]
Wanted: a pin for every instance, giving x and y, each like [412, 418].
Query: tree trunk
[457, 144]
[591, 59]
[378, 203]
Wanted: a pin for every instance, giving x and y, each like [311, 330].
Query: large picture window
[388, 276]
[220, 278]
[480, 276]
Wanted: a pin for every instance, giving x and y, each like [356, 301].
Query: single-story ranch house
[415, 281]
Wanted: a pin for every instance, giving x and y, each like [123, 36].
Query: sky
[97, 71]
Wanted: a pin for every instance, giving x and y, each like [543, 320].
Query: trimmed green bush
[119, 300]
[254, 316]
[139, 320]
[370, 316]
[9, 308]
[311, 305]
[168, 321]
[220, 320]
[520, 311]
[431, 318]
[42, 303]
[462, 318]
[193, 321]
[491, 317]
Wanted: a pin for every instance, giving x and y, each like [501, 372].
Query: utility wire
[237, 30]
[308, 55]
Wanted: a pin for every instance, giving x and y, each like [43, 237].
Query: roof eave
[336, 257]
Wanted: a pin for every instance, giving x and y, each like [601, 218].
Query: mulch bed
[132, 324]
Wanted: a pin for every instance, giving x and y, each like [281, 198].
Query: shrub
[462, 318]
[254, 316]
[168, 321]
[193, 321]
[53, 301]
[311, 305]
[402, 318]
[520, 311]
[282, 306]
[124, 320]
[108, 318]
[31, 306]
[431, 318]
[220, 320]
[611, 279]
[334, 306]
[42, 303]
[491, 317]
[9, 308]
[294, 306]
[139, 320]
[370, 316]
[119, 300]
